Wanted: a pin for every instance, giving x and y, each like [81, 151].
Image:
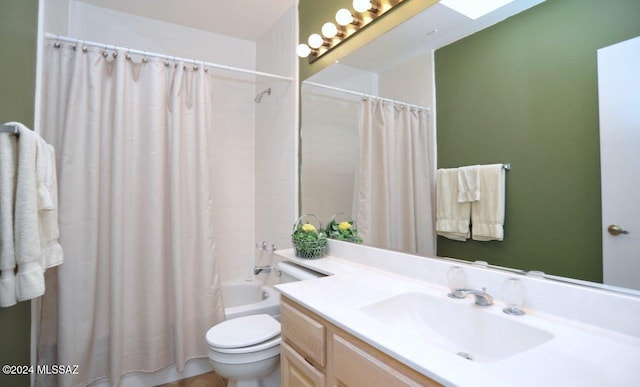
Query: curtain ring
[56, 44]
[144, 57]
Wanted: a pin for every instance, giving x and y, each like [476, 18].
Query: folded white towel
[469, 183]
[487, 214]
[30, 277]
[8, 289]
[44, 173]
[452, 217]
[8, 164]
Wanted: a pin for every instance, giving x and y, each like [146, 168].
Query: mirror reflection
[522, 91]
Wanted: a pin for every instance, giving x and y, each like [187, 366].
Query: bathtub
[244, 298]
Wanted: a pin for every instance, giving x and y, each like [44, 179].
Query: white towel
[487, 214]
[469, 183]
[8, 164]
[452, 217]
[30, 277]
[45, 173]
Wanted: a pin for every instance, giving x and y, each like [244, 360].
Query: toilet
[246, 350]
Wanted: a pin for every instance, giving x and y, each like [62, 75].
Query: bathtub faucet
[259, 269]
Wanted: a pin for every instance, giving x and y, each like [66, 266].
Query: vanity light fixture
[315, 41]
[329, 30]
[344, 17]
[303, 50]
[364, 6]
[350, 25]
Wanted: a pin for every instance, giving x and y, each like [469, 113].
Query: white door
[619, 98]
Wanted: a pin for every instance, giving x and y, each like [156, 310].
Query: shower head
[261, 94]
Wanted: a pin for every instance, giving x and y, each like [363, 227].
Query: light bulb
[315, 41]
[344, 17]
[362, 5]
[303, 50]
[329, 30]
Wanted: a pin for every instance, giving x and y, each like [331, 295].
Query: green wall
[18, 26]
[525, 92]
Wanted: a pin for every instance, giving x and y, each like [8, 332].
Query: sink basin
[457, 326]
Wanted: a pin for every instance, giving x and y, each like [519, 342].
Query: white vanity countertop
[577, 355]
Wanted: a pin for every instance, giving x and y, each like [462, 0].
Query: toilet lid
[243, 331]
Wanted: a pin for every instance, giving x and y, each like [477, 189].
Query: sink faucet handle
[513, 293]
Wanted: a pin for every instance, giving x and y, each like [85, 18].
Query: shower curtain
[139, 287]
[395, 177]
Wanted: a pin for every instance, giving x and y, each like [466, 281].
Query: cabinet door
[355, 365]
[296, 371]
[305, 333]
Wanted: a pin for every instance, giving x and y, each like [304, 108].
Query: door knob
[616, 230]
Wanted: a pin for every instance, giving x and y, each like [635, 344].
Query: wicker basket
[334, 233]
[308, 248]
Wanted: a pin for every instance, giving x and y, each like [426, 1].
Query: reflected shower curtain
[395, 178]
[139, 287]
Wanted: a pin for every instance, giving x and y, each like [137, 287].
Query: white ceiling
[244, 19]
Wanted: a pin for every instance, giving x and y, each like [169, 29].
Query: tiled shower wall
[234, 113]
[329, 152]
[275, 139]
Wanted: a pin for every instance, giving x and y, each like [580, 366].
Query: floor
[205, 380]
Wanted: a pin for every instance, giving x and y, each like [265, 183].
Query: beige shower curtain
[395, 177]
[139, 287]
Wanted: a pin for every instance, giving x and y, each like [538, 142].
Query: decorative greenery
[309, 242]
[343, 231]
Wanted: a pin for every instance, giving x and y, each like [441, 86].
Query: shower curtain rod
[363, 95]
[66, 39]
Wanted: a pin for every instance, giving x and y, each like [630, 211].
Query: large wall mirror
[519, 85]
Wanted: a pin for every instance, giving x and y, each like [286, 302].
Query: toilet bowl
[246, 350]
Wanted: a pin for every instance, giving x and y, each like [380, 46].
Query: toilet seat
[244, 335]
[274, 342]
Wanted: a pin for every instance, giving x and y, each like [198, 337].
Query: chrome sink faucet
[482, 298]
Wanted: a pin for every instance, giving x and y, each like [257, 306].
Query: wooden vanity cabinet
[318, 353]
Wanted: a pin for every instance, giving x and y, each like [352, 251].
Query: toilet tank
[290, 272]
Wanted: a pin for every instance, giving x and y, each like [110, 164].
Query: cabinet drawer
[296, 371]
[304, 333]
[360, 365]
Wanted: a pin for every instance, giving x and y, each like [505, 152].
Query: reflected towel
[452, 217]
[469, 183]
[8, 165]
[487, 214]
[30, 277]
